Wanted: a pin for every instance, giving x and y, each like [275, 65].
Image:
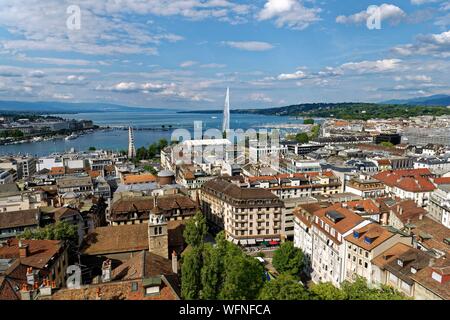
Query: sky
[183, 54]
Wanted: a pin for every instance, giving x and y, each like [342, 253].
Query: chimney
[98, 294]
[174, 262]
[106, 271]
[25, 294]
[23, 250]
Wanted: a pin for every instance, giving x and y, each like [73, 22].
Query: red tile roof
[40, 251]
[414, 180]
[442, 180]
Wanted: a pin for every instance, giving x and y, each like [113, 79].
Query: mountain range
[435, 100]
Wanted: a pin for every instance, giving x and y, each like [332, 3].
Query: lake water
[118, 139]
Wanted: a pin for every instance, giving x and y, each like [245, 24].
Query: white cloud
[289, 13]
[37, 74]
[260, 97]
[292, 76]
[432, 44]
[418, 78]
[376, 66]
[388, 12]
[187, 64]
[249, 45]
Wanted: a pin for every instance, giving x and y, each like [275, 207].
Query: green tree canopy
[243, 279]
[195, 231]
[190, 273]
[57, 231]
[308, 121]
[327, 291]
[302, 137]
[288, 259]
[386, 144]
[285, 287]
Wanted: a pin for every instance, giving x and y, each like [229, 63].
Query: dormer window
[413, 270]
[356, 234]
[436, 276]
[400, 262]
[368, 240]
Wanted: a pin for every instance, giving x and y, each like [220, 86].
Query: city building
[412, 184]
[366, 243]
[397, 266]
[136, 210]
[329, 228]
[249, 216]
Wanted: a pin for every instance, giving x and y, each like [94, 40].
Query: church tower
[158, 238]
[131, 146]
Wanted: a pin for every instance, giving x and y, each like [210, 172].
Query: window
[366, 265]
[393, 278]
[134, 286]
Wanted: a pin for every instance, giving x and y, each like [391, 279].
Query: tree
[243, 280]
[195, 231]
[302, 137]
[285, 287]
[213, 267]
[57, 231]
[92, 148]
[308, 121]
[315, 131]
[386, 144]
[359, 290]
[191, 274]
[162, 143]
[288, 259]
[327, 291]
[141, 153]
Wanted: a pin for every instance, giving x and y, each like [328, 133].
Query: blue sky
[184, 53]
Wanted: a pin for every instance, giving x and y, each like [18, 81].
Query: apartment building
[13, 199]
[329, 228]
[397, 265]
[300, 185]
[366, 243]
[439, 205]
[414, 184]
[365, 187]
[249, 216]
[136, 210]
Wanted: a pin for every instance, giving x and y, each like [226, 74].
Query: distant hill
[66, 107]
[350, 110]
[436, 100]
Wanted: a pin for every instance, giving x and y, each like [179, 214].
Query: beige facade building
[248, 215]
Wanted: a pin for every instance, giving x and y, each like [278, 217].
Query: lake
[118, 139]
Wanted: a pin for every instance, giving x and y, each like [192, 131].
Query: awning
[273, 243]
[251, 241]
[259, 240]
[244, 242]
[235, 241]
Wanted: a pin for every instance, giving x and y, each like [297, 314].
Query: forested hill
[363, 111]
